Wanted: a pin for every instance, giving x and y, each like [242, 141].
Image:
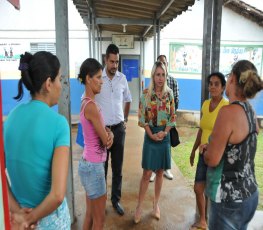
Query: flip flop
[195, 226]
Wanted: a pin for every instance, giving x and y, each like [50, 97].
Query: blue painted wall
[189, 95]
[9, 90]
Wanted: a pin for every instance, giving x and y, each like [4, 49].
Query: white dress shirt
[114, 93]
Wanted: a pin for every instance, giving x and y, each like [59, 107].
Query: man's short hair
[162, 55]
[112, 49]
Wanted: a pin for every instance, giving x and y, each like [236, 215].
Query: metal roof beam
[164, 8]
[128, 21]
[146, 31]
[162, 11]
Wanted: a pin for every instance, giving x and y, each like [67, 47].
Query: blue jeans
[92, 177]
[232, 215]
[201, 169]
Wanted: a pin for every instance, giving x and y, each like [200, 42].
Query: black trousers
[116, 152]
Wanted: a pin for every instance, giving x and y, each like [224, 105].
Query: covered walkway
[177, 203]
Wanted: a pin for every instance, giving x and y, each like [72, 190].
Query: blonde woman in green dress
[156, 116]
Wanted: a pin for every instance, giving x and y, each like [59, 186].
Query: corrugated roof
[246, 10]
[139, 15]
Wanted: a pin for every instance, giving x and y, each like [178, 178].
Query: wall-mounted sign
[123, 41]
[187, 58]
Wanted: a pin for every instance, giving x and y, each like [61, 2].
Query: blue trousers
[232, 215]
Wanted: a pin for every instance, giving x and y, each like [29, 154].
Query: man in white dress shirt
[114, 100]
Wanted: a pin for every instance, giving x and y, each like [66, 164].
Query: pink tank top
[94, 151]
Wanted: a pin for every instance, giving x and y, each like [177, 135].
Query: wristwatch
[165, 133]
[126, 119]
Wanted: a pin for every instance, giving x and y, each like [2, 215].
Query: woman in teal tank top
[231, 183]
[36, 141]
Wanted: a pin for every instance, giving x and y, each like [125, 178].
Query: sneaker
[153, 177]
[167, 173]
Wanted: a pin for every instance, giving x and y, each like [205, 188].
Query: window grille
[50, 47]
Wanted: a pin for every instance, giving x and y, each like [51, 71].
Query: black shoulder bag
[174, 137]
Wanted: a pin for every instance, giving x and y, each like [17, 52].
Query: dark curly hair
[89, 67]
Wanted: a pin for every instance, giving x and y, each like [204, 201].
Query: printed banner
[187, 58]
[231, 54]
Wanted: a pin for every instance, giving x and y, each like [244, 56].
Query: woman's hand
[156, 137]
[20, 220]
[161, 135]
[109, 139]
[203, 148]
[192, 158]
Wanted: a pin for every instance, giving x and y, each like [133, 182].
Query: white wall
[188, 28]
[35, 22]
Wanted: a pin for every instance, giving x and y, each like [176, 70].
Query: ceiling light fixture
[124, 28]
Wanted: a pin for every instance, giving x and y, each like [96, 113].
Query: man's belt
[111, 127]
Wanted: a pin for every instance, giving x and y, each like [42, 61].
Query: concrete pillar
[211, 47]
[141, 65]
[101, 47]
[62, 51]
[211, 41]
[89, 28]
[93, 37]
[154, 39]
[158, 38]
[98, 45]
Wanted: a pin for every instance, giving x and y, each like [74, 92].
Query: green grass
[182, 153]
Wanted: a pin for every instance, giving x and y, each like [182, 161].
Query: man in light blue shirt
[114, 100]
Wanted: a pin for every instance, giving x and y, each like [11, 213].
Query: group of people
[39, 153]
[227, 142]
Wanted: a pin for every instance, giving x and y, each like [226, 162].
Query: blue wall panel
[76, 91]
[9, 90]
[257, 103]
[189, 95]
[130, 68]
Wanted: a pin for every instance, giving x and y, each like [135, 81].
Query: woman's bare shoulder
[230, 109]
[227, 113]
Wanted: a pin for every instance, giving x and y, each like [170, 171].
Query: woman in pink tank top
[97, 138]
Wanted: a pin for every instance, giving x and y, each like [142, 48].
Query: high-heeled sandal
[137, 215]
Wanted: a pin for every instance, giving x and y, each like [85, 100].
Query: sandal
[196, 226]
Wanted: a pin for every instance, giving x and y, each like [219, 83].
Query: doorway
[130, 66]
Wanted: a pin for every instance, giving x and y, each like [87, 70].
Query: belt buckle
[114, 126]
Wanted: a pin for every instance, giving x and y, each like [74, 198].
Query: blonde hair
[248, 79]
[165, 88]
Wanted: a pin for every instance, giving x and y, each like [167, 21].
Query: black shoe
[118, 207]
